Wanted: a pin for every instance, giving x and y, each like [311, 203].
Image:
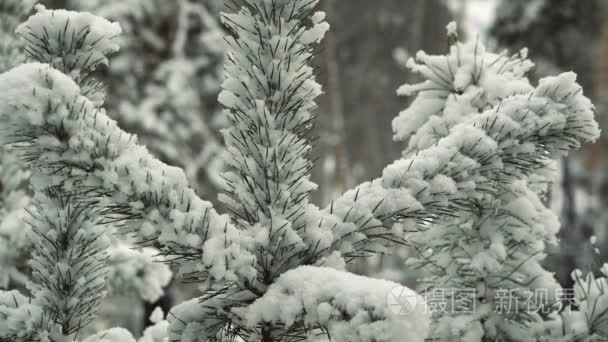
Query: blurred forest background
[164, 82]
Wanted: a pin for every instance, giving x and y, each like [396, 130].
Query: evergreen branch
[93, 156]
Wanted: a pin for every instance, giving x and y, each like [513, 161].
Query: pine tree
[91, 155]
[81, 60]
[563, 35]
[69, 245]
[273, 268]
[485, 265]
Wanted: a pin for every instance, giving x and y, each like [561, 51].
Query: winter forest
[303, 170]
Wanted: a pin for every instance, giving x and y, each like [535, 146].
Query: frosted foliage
[276, 93]
[20, 320]
[68, 262]
[74, 43]
[269, 92]
[13, 174]
[137, 272]
[592, 300]
[584, 317]
[119, 171]
[438, 187]
[470, 163]
[68, 266]
[467, 80]
[501, 172]
[14, 244]
[196, 320]
[353, 308]
[164, 87]
[270, 269]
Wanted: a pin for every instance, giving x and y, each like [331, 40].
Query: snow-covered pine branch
[496, 244]
[68, 261]
[472, 160]
[90, 40]
[348, 307]
[94, 156]
[14, 198]
[68, 271]
[254, 261]
[72, 143]
[270, 92]
[164, 82]
[582, 314]
[62, 133]
[78, 48]
[591, 299]
[14, 176]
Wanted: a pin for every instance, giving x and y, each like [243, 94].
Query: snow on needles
[353, 308]
[111, 162]
[74, 43]
[477, 132]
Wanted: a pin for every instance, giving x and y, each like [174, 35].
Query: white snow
[353, 308]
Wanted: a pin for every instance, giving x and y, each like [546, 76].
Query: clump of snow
[466, 81]
[350, 307]
[19, 317]
[111, 335]
[452, 29]
[137, 271]
[157, 315]
[156, 333]
[73, 42]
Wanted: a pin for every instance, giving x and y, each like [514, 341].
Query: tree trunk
[336, 179]
[599, 91]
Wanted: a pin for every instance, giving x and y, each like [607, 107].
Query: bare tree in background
[368, 76]
[335, 164]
